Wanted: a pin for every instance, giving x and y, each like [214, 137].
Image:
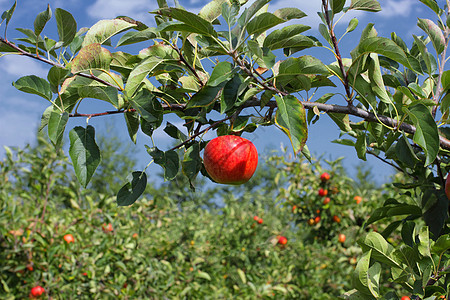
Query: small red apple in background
[294, 208]
[135, 236]
[282, 240]
[341, 238]
[358, 199]
[325, 177]
[406, 298]
[107, 228]
[336, 219]
[37, 291]
[30, 267]
[230, 159]
[323, 192]
[260, 221]
[326, 200]
[316, 219]
[69, 238]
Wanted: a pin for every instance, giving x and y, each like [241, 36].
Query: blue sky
[21, 112]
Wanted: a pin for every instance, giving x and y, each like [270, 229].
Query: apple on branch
[230, 159]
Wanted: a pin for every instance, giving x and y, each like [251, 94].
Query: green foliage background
[203, 244]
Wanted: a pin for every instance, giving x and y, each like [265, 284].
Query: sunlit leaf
[367, 5]
[263, 22]
[42, 19]
[103, 30]
[67, 26]
[33, 84]
[434, 32]
[291, 117]
[91, 57]
[56, 125]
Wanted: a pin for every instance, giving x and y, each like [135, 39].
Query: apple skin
[69, 238]
[406, 298]
[37, 291]
[325, 177]
[230, 159]
[447, 186]
[341, 238]
[282, 240]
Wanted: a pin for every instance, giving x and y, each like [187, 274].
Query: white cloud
[136, 9]
[19, 66]
[396, 8]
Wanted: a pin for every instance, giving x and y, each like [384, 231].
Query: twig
[337, 52]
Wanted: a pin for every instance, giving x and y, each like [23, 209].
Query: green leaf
[84, 153]
[229, 12]
[91, 57]
[169, 160]
[361, 146]
[230, 94]
[352, 25]
[56, 76]
[291, 117]
[103, 30]
[34, 85]
[380, 248]
[140, 72]
[342, 120]
[301, 65]
[263, 22]
[337, 6]
[67, 26]
[394, 209]
[56, 126]
[289, 13]
[367, 5]
[434, 32]
[174, 132]
[148, 106]
[360, 278]
[426, 136]
[433, 5]
[388, 48]
[132, 120]
[133, 37]
[42, 19]
[376, 79]
[251, 11]
[133, 189]
[288, 37]
[429, 60]
[195, 23]
[213, 9]
[206, 96]
[423, 246]
[7, 15]
[405, 152]
[223, 71]
[105, 93]
[441, 245]
[192, 162]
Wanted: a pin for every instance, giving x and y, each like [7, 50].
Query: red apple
[406, 298]
[326, 200]
[336, 219]
[260, 221]
[282, 240]
[323, 192]
[341, 238]
[37, 291]
[316, 219]
[107, 228]
[69, 238]
[325, 177]
[230, 159]
[358, 199]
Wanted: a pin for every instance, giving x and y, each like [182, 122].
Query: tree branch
[52, 63]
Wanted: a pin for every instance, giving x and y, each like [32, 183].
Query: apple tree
[220, 70]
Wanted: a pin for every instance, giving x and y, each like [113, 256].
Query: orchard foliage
[176, 243]
[227, 69]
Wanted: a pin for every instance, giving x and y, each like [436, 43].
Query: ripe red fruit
[69, 238]
[260, 221]
[316, 219]
[341, 238]
[326, 200]
[323, 192]
[30, 267]
[107, 228]
[256, 218]
[294, 208]
[85, 274]
[230, 159]
[336, 219]
[325, 177]
[358, 199]
[37, 291]
[406, 298]
[282, 240]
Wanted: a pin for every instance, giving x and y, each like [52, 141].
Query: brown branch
[52, 63]
[337, 52]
